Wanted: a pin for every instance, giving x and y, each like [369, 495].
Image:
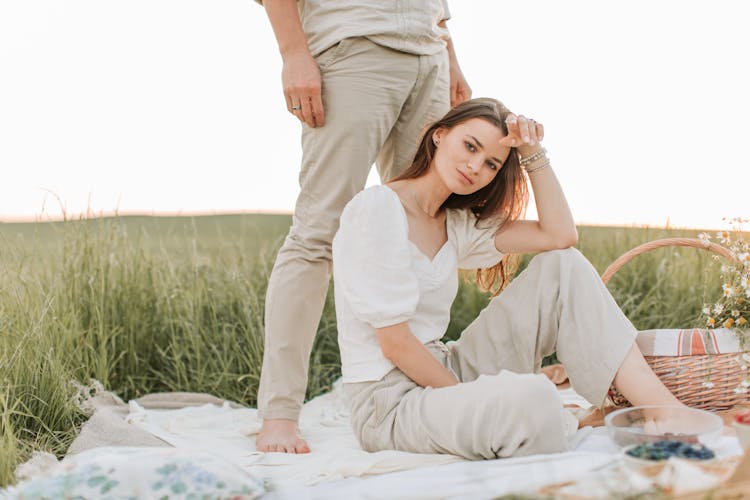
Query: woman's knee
[534, 412]
[556, 260]
[561, 255]
[537, 395]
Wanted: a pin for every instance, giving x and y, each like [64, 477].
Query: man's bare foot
[281, 435]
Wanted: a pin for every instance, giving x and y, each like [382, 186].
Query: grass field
[146, 304]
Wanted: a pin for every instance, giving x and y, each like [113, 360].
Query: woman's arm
[411, 356]
[555, 227]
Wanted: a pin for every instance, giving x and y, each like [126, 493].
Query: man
[364, 78]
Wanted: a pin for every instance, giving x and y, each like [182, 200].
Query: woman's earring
[436, 142]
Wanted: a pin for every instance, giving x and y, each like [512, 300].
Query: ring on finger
[296, 107]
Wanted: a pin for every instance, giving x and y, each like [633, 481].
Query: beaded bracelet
[541, 166]
[531, 159]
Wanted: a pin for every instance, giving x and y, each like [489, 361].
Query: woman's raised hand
[522, 132]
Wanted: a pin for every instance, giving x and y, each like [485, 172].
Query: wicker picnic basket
[686, 376]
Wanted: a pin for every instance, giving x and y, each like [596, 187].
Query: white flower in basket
[732, 310]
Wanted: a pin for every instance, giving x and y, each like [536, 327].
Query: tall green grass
[176, 304]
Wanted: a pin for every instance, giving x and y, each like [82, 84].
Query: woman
[395, 258]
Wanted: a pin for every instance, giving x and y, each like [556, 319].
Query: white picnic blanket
[337, 467]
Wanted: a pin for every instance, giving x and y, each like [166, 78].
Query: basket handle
[664, 242]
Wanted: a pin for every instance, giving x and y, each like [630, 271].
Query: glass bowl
[741, 424]
[641, 424]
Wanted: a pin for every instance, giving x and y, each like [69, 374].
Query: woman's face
[468, 156]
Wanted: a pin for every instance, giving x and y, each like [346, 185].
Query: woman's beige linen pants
[377, 103]
[504, 407]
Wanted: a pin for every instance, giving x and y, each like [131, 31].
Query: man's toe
[301, 447]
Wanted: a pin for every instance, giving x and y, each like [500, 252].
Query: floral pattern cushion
[140, 473]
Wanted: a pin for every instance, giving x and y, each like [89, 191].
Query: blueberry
[663, 449]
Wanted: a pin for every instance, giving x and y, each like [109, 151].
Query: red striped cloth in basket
[693, 341]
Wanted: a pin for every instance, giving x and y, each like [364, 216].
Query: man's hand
[302, 83]
[460, 90]
[300, 75]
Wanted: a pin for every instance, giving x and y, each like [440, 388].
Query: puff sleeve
[371, 259]
[475, 246]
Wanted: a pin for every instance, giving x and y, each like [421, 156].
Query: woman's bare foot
[281, 435]
[668, 421]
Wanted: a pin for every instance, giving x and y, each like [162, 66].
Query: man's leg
[428, 101]
[364, 87]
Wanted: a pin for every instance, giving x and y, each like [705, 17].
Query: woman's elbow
[568, 239]
[391, 339]
[389, 347]
[387, 351]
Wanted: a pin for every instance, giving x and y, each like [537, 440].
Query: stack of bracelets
[535, 162]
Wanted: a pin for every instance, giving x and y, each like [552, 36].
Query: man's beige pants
[377, 101]
[503, 407]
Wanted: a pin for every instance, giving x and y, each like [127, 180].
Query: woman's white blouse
[381, 278]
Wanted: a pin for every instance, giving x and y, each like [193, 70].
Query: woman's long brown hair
[504, 199]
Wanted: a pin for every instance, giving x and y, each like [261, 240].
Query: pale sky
[175, 106]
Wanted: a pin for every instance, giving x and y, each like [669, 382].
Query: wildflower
[740, 390]
[741, 360]
[745, 383]
[731, 309]
[704, 237]
[708, 385]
